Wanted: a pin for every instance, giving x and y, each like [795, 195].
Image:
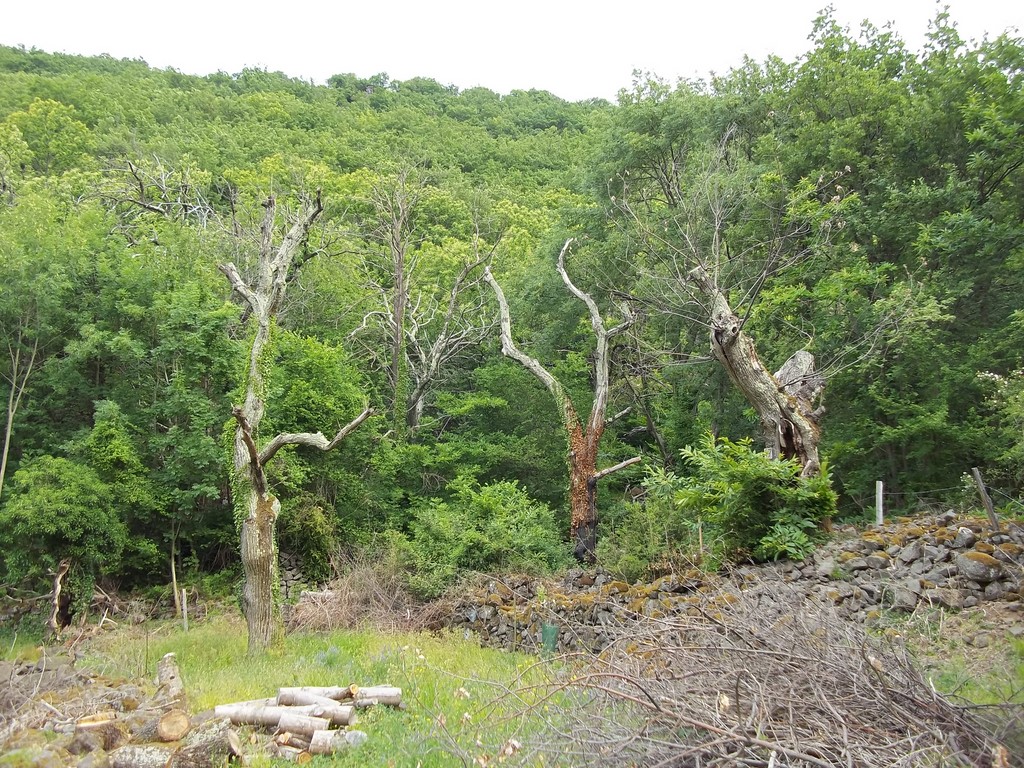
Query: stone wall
[943, 561]
[292, 579]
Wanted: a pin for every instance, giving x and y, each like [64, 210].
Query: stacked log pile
[133, 731]
[311, 721]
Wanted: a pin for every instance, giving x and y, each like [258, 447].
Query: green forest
[463, 330]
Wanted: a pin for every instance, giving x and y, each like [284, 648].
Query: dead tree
[255, 505]
[692, 268]
[784, 402]
[420, 331]
[583, 439]
[436, 336]
[389, 264]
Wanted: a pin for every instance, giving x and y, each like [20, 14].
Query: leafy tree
[56, 139]
[112, 451]
[60, 509]
[14, 156]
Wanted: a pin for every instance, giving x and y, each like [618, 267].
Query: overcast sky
[574, 49]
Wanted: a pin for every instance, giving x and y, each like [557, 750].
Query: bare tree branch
[311, 439]
[617, 467]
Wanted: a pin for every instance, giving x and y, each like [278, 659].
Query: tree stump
[170, 691]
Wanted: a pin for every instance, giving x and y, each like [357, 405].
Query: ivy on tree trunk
[255, 506]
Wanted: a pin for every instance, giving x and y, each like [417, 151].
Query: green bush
[59, 509]
[656, 531]
[756, 506]
[305, 529]
[490, 528]
[737, 503]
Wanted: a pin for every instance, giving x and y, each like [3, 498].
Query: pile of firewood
[311, 721]
[302, 722]
[157, 735]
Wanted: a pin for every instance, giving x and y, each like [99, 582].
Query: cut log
[137, 756]
[84, 742]
[210, 731]
[291, 697]
[379, 694]
[305, 725]
[210, 753]
[269, 715]
[88, 721]
[337, 693]
[329, 742]
[173, 725]
[338, 714]
[295, 740]
[111, 733]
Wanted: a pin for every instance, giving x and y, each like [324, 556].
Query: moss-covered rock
[979, 566]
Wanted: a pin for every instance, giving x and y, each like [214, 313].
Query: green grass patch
[21, 641]
[1000, 681]
[463, 701]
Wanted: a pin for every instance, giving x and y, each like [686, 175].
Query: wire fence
[905, 501]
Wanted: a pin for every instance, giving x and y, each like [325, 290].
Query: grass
[463, 701]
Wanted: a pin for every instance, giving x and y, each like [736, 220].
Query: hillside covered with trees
[191, 266]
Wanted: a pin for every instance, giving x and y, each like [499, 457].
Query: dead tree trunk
[433, 340]
[419, 336]
[583, 440]
[783, 402]
[255, 506]
[59, 617]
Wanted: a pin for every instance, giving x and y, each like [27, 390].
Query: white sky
[574, 49]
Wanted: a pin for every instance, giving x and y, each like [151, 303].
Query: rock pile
[292, 579]
[943, 561]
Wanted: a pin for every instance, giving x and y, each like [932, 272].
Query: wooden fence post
[986, 500]
[879, 509]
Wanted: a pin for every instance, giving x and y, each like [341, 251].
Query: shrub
[496, 527]
[654, 532]
[759, 507]
[306, 530]
[737, 503]
[60, 509]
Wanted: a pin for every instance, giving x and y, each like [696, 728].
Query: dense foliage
[865, 202]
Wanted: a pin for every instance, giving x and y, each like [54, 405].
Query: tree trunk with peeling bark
[783, 401]
[583, 440]
[255, 505]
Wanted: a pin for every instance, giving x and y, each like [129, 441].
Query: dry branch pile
[738, 687]
[365, 595]
[103, 723]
